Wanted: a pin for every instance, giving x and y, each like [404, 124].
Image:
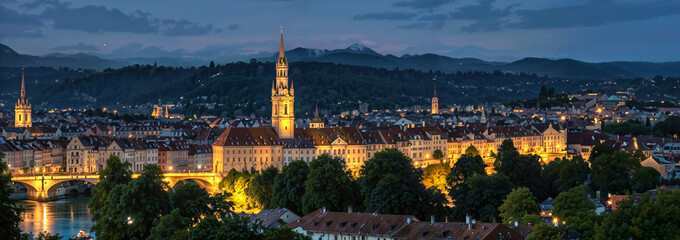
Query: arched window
[19, 117]
[285, 110]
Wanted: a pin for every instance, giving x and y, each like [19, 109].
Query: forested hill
[246, 87]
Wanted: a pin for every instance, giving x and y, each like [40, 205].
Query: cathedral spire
[281, 52]
[435, 90]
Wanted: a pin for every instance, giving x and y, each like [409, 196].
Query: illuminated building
[22, 110]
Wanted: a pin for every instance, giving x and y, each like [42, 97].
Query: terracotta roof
[400, 227]
[353, 223]
[325, 136]
[260, 136]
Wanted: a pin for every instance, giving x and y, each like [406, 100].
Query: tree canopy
[392, 185]
[328, 185]
[289, 186]
[518, 206]
[10, 213]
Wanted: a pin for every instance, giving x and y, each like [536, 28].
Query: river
[65, 216]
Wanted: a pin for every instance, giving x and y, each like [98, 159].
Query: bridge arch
[44, 187]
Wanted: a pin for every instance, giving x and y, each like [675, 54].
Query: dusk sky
[506, 30]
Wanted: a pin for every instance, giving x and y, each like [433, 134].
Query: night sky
[503, 30]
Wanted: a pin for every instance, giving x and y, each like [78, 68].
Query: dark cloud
[485, 17]
[80, 47]
[594, 13]
[15, 24]
[420, 25]
[99, 19]
[422, 4]
[385, 16]
[233, 27]
[96, 19]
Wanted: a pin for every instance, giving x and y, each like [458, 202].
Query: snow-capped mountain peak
[357, 47]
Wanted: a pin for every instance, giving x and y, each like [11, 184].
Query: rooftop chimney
[408, 220]
[324, 210]
[349, 209]
[431, 219]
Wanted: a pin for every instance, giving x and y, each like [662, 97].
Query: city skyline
[490, 30]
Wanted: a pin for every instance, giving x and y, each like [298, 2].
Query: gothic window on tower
[285, 110]
[19, 117]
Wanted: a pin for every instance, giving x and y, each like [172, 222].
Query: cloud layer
[93, 19]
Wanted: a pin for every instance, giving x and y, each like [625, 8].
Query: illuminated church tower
[435, 102]
[282, 98]
[22, 110]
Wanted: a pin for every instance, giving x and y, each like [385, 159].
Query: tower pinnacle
[23, 88]
[281, 52]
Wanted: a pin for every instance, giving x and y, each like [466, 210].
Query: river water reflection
[64, 216]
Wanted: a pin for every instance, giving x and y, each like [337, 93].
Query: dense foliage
[328, 185]
[10, 213]
[519, 206]
[391, 184]
[289, 186]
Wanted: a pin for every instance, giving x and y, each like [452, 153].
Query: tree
[327, 185]
[518, 205]
[289, 186]
[544, 232]
[41, 236]
[522, 170]
[116, 173]
[134, 207]
[570, 203]
[472, 150]
[191, 200]
[466, 166]
[260, 189]
[573, 173]
[611, 173]
[172, 226]
[645, 178]
[480, 196]
[10, 213]
[233, 227]
[435, 176]
[284, 233]
[543, 93]
[651, 218]
[599, 150]
[391, 184]
[437, 154]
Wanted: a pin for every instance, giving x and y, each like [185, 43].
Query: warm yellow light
[599, 110]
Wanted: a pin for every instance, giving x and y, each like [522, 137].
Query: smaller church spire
[23, 88]
[316, 111]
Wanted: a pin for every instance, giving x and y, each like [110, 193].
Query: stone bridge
[43, 187]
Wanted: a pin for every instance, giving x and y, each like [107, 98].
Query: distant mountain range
[357, 54]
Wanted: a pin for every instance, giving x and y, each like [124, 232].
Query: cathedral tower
[22, 110]
[283, 98]
[435, 102]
